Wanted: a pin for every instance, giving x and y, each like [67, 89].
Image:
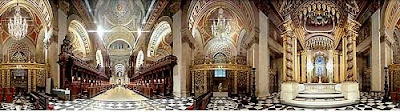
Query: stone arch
[220, 46]
[42, 8]
[391, 14]
[123, 40]
[139, 60]
[79, 38]
[120, 32]
[161, 30]
[25, 46]
[99, 58]
[196, 10]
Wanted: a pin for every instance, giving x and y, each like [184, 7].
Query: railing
[201, 102]
[41, 101]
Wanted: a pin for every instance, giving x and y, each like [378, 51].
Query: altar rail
[155, 79]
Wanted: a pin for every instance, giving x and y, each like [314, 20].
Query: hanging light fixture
[17, 27]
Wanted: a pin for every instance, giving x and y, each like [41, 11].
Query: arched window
[139, 59]
[220, 58]
[319, 67]
[119, 70]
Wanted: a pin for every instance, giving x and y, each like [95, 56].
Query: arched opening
[79, 39]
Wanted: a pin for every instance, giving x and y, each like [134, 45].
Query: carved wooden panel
[242, 83]
[394, 78]
[41, 78]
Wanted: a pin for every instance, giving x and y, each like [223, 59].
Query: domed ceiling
[224, 21]
[127, 13]
[118, 17]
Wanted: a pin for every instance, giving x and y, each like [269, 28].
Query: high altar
[320, 58]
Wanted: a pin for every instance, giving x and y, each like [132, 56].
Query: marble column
[262, 64]
[179, 71]
[54, 49]
[303, 73]
[329, 66]
[310, 66]
[351, 72]
[350, 88]
[289, 87]
[336, 60]
[377, 78]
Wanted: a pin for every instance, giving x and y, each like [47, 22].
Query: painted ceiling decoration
[99, 58]
[217, 45]
[34, 23]
[162, 30]
[139, 59]
[80, 38]
[120, 18]
[41, 8]
[236, 14]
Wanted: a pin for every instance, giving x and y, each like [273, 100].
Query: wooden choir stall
[81, 78]
[21, 78]
[155, 79]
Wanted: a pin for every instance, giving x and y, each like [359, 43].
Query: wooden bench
[395, 96]
[40, 100]
[201, 102]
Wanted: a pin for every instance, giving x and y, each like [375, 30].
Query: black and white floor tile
[156, 104]
[368, 101]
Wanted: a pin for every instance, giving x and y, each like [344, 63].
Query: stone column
[289, 86]
[336, 67]
[329, 66]
[262, 63]
[350, 88]
[310, 66]
[303, 67]
[179, 71]
[377, 78]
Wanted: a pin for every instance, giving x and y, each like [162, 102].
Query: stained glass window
[320, 68]
[220, 73]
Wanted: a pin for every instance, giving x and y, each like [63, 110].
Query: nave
[199, 54]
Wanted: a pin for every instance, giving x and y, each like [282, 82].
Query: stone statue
[220, 87]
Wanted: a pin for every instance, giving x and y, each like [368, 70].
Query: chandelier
[17, 27]
[221, 28]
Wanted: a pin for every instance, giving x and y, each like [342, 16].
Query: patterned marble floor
[123, 99]
[368, 101]
[119, 94]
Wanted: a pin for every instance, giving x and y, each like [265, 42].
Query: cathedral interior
[200, 55]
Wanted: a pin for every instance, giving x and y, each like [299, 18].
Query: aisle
[119, 94]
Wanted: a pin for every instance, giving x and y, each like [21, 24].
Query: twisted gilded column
[352, 27]
[289, 87]
[288, 54]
